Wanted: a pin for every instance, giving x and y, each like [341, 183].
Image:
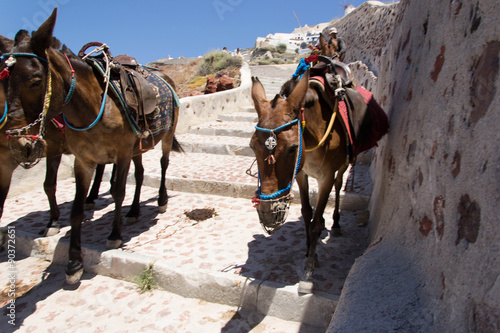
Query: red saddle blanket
[377, 122]
[369, 125]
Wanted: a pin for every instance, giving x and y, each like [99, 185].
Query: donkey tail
[176, 146]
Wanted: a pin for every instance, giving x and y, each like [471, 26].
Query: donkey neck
[318, 114]
[87, 97]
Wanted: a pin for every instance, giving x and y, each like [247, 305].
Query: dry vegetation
[190, 75]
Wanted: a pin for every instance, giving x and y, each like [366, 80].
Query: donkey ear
[20, 36]
[42, 38]
[298, 94]
[6, 44]
[258, 93]
[322, 41]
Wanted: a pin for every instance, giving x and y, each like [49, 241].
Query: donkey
[286, 148]
[55, 147]
[100, 133]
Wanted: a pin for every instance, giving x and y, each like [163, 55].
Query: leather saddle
[139, 95]
[333, 80]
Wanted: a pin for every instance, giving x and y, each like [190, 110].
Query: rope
[3, 121]
[46, 100]
[103, 104]
[73, 83]
[277, 129]
[32, 55]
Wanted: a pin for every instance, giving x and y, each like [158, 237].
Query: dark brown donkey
[286, 149]
[55, 147]
[39, 83]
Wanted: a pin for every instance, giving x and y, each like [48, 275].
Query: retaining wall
[433, 263]
[199, 109]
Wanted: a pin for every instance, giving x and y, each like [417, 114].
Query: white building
[297, 40]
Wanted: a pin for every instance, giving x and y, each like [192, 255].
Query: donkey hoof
[113, 244]
[305, 287]
[74, 271]
[75, 278]
[52, 231]
[131, 220]
[162, 209]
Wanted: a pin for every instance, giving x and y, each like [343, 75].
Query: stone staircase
[224, 257]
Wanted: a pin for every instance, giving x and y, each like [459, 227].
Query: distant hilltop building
[297, 40]
[348, 9]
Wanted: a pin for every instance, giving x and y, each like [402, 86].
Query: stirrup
[143, 137]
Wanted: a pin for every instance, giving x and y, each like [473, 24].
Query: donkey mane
[275, 101]
[76, 61]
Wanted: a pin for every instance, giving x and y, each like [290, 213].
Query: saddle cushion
[375, 123]
[138, 92]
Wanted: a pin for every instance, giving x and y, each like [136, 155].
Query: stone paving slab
[45, 303]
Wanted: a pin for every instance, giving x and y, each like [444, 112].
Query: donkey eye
[293, 149]
[35, 83]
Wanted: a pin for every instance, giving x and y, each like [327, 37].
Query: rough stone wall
[433, 264]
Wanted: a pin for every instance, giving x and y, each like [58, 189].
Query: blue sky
[154, 29]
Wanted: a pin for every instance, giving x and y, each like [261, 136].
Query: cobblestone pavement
[103, 304]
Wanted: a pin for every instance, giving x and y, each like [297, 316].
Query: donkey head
[328, 50]
[25, 73]
[277, 145]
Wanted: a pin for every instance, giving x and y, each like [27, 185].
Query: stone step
[249, 108]
[217, 144]
[243, 129]
[239, 116]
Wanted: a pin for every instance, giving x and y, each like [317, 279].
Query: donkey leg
[166, 146]
[135, 209]
[83, 177]
[7, 167]
[94, 191]
[315, 227]
[118, 192]
[306, 209]
[50, 186]
[336, 231]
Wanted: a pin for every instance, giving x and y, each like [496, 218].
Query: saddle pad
[161, 119]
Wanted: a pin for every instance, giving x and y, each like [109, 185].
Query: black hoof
[74, 272]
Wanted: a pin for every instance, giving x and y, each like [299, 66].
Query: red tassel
[4, 74]
[270, 159]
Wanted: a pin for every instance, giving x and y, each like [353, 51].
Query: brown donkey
[285, 149]
[100, 132]
[55, 147]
